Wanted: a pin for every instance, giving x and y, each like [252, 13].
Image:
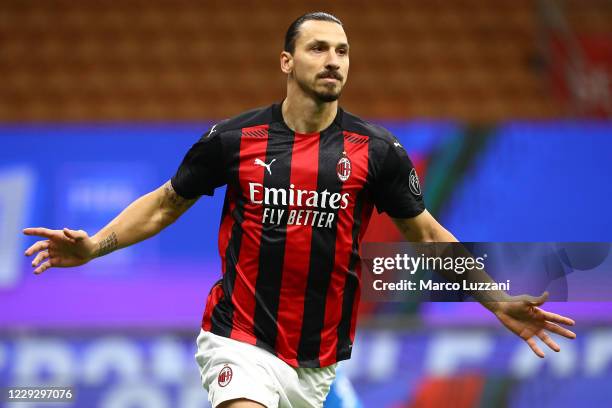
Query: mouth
[330, 77]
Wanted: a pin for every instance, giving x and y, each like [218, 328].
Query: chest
[332, 163]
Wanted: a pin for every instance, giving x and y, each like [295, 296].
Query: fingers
[534, 346]
[43, 267]
[548, 341]
[39, 246]
[41, 232]
[562, 331]
[42, 255]
[555, 318]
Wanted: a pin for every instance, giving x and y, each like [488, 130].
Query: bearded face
[321, 60]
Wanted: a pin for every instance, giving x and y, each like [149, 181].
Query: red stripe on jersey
[296, 264]
[225, 230]
[213, 298]
[253, 145]
[356, 148]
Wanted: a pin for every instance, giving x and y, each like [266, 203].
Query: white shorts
[231, 369]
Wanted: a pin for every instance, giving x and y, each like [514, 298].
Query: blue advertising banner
[531, 181]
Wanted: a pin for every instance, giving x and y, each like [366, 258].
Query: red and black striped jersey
[296, 207]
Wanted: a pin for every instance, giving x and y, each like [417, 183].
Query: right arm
[198, 174]
[142, 219]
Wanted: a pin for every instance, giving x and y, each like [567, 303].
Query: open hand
[523, 316]
[61, 248]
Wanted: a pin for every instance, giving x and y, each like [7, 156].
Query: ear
[286, 62]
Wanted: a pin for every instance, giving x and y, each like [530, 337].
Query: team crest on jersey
[225, 376]
[413, 180]
[343, 168]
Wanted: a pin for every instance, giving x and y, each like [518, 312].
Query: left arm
[519, 314]
[425, 228]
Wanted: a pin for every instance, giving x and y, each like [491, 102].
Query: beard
[328, 95]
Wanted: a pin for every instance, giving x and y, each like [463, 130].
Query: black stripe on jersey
[322, 253]
[272, 244]
[351, 285]
[223, 313]
[343, 348]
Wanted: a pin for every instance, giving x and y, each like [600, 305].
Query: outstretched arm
[521, 315]
[142, 219]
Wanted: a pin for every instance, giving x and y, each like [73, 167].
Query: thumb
[532, 300]
[73, 235]
[537, 301]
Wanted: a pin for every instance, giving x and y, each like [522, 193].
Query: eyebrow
[315, 41]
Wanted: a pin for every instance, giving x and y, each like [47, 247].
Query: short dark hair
[294, 28]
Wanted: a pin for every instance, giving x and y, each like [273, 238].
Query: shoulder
[253, 117]
[378, 134]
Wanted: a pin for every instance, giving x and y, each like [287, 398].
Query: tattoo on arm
[172, 199]
[107, 245]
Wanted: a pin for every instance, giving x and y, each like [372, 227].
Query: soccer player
[302, 177]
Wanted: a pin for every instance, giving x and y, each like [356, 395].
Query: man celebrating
[302, 180]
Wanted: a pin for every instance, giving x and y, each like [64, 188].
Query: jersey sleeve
[396, 190]
[202, 169]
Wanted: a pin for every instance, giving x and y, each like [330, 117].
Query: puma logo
[212, 130]
[261, 163]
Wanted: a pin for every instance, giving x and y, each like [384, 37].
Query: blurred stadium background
[504, 106]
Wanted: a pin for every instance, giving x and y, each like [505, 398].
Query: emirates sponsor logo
[318, 208]
[260, 194]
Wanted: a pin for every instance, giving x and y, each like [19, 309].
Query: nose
[332, 62]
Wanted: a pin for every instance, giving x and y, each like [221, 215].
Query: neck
[305, 115]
